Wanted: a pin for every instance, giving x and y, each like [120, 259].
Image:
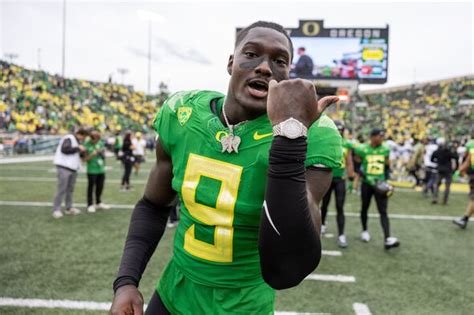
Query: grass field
[76, 258]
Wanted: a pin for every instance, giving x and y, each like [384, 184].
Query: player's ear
[230, 64]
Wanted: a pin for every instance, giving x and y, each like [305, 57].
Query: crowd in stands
[425, 109]
[36, 102]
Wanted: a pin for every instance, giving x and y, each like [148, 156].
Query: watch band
[290, 128]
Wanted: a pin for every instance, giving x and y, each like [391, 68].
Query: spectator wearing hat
[68, 161]
[444, 157]
[95, 158]
[139, 145]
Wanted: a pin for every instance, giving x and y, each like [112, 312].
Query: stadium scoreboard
[356, 53]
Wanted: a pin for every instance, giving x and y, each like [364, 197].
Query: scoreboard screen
[357, 53]
[339, 53]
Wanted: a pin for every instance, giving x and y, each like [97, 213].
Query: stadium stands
[437, 108]
[36, 102]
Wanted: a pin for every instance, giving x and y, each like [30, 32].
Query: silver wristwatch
[290, 128]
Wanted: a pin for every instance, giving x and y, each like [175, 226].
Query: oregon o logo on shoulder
[184, 113]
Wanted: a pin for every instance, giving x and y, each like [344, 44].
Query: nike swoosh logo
[257, 137]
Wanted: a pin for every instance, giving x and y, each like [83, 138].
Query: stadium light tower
[38, 55]
[149, 16]
[11, 56]
[64, 39]
[123, 72]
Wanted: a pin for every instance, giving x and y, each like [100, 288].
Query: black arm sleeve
[289, 244]
[147, 226]
[66, 148]
[387, 172]
[455, 157]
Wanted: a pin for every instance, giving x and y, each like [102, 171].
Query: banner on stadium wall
[340, 53]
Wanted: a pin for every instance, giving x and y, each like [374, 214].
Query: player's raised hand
[127, 301]
[295, 98]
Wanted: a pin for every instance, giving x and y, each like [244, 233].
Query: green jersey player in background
[467, 167]
[250, 169]
[375, 171]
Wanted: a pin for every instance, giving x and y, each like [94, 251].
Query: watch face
[291, 129]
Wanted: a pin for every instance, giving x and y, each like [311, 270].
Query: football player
[375, 169]
[468, 167]
[338, 185]
[249, 169]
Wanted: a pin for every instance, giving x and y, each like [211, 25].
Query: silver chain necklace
[230, 142]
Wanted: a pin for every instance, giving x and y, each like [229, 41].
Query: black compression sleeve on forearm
[289, 244]
[387, 172]
[147, 225]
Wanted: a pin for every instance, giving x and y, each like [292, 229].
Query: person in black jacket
[304, 66]
[127, 159]
[444, 157]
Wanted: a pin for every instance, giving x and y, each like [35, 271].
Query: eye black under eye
[281, 62]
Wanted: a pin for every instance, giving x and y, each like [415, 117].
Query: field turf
[76, 258]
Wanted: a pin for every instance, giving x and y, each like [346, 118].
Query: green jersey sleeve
[359, 150]
[324, 144]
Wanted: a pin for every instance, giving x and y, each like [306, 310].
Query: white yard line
[82, 305]
[332, 278]
[331, 253]
[26, 159]
[65, 304]
[50, 204]
[349, 214]
[361, 309]
[53, 179]
[406, 216]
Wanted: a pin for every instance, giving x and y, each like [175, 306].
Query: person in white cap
[139, 151]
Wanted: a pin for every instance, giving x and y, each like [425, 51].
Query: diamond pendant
[230, 143]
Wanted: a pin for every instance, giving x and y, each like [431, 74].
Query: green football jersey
[373, 161]
[118, 143]
[470, 149]
[216, 242]
[96, 165]
[341, 171]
